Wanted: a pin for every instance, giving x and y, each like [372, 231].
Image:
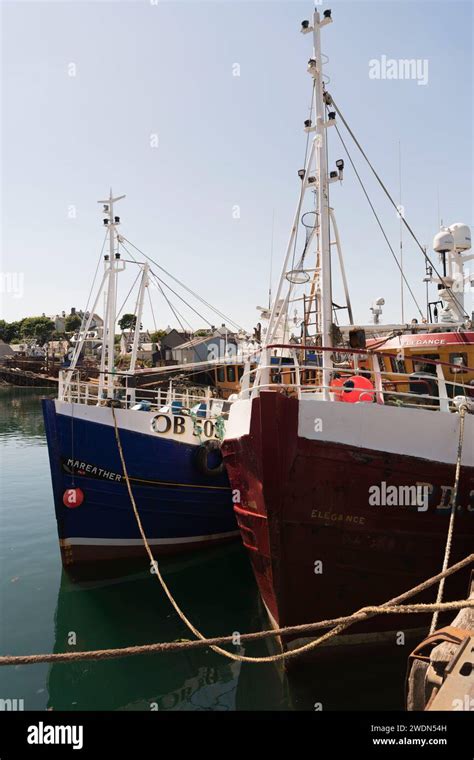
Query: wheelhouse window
[231, 374]
[398, 365]
[423, 366]
[460, 362]
[221, 375]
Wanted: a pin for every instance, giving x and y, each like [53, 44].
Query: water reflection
[217, 592]
[21, 419]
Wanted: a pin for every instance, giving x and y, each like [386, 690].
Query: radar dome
[462, 236]
[443, 241]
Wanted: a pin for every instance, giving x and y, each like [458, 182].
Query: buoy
[336, 386]
[73, 497]
[357, 388]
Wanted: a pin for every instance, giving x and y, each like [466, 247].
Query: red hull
[304, 501]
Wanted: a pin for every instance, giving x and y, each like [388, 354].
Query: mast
[316, 70]
[112, 266]
[138, 317]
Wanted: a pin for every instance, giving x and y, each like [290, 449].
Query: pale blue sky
[167, 69]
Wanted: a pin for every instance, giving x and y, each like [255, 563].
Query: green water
[40, 608]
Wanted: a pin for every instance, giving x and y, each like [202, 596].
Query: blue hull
[180, 507]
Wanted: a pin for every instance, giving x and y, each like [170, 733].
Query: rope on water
[174, 646]
[337, 625]
[231, 655]
[454, 497]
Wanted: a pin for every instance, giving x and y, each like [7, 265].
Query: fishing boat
[169, 433]
[342, 446]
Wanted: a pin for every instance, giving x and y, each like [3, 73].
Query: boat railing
[282, 368]
[172, 399]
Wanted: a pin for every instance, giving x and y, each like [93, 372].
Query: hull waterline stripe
[79, 541]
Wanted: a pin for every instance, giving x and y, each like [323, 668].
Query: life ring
[336, 386]
[202, 456]
[357, 388]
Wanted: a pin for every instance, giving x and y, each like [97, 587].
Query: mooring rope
[176, 646]
[454, 497]
[337, 625]
[230, 655]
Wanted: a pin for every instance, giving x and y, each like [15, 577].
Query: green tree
[40, 328]
[127, 321]
[72, 322]
[157, 335]
[9, 331]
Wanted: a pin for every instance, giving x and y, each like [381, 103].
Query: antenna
[271, 263]
[400, 214]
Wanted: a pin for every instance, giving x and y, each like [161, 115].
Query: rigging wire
[378, 221]
[185, 287]
[176, 313]
[300, 263]
[83, 321]
[172, 308]
[425, 255]
[152, 310]
[128, 295]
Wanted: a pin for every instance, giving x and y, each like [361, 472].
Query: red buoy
[357, 388]
[73, 497]
[336, 386]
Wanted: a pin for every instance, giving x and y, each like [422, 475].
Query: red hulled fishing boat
[342, 447]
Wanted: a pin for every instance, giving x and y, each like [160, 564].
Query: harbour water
[42, 611]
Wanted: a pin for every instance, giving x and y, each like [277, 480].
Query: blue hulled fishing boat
[169, 436]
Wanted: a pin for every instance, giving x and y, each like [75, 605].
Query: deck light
[327, 14]
[106, 221]
[301, 173]
[308, 123]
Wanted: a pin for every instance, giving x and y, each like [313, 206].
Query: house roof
[5, 349]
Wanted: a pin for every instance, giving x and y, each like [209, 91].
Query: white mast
[112, 265]
[139, 313]
[314, 177]
[322, 195]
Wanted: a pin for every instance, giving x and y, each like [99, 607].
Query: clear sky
[87, 85]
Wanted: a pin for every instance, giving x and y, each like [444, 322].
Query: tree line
[41, 329]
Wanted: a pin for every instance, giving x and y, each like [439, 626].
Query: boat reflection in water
[218, 594]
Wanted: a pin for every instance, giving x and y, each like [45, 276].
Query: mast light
[301, 173]
[327, 18]
[306, 27]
